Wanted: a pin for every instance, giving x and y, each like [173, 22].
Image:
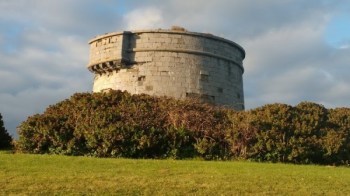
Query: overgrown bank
[118, 124]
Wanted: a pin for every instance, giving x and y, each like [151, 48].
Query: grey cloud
[82, 17]
[48, 63]
[34, 100]
[238, 19]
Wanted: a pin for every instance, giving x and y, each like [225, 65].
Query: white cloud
[344, 46]
[144, 18]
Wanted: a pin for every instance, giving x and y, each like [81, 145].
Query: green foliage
[336, 140]
[117, 124]
[274, 131]
[310, 124]
[5, 138]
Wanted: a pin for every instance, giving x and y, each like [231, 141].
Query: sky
[296, 50]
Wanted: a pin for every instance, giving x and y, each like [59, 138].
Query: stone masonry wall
[171, 63]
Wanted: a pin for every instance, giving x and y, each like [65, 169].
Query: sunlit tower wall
[169, 62]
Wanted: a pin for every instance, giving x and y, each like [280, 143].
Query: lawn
[62, 175]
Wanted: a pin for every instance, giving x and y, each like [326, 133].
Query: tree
[5, 138]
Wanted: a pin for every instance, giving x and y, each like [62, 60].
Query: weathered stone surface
[174, 63]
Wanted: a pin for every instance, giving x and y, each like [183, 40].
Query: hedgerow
[117, 124]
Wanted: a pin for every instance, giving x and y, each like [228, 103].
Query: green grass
[62, 175]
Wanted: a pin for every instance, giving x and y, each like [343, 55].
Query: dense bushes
[118, 124]
[5, 138]
[307, 133]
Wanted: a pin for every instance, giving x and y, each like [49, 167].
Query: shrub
[274, 130]
[5, 138]
[336, 141]
[310, 126]
[241, 136]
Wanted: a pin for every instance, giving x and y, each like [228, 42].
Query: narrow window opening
[141, 78]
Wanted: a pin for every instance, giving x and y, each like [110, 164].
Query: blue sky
[338, 30]
[297, 50]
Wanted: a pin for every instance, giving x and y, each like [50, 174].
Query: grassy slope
[48, 174]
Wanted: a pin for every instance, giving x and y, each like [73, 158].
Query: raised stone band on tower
[174, 63]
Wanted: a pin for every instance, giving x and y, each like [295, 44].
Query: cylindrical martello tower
[175, 63]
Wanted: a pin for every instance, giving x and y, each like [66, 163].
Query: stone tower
[173, 62]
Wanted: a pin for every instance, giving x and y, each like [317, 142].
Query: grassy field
[62, 175]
